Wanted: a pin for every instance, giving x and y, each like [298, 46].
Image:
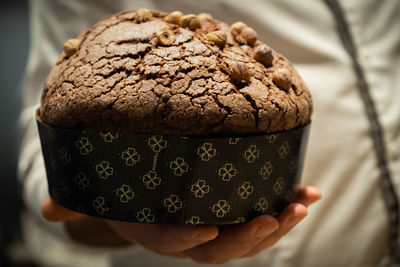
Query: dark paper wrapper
[169, 179]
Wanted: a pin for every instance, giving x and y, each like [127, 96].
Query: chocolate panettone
[157, 73]
[171, 118]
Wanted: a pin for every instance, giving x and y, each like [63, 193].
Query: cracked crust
[122, 80]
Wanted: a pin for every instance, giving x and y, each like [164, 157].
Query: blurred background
[14, 32]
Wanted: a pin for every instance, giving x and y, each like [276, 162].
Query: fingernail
[263, 232]
[204, 238]
[293, 221]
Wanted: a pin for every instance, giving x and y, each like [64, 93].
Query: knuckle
[162, 245]
[190, 236]
[245, 246]
[176, 242]
[197, 236]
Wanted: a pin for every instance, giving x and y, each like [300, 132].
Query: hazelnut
[239, 72]
[249, 35]
[281, 78]
[263, 54]
[174, 17]
[71, 46]
[205, 16]
[237, 27]
[143, 14]
[217, 37]
[190, 21]
[165, 36]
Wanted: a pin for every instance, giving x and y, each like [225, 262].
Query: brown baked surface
[122, 80]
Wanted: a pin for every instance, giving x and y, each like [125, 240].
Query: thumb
[54, 212]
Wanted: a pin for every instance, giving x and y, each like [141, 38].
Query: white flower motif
[125, 193]
[65, 188]
[145, 216]
[234, 141]
[157, 143]
[84, 146]
[151, 180]
[266, 170]
[64, 156]
[293, 165]
[131, 156]
[279, 185]
[53, 163]
[179, 166]
[104, 170]
[200, 188]
[50, 132]
[221, 208]
[272, 138]
[109, 137]
[194, 220]
[261, 205]
[227, 172]
[245, 190]
[99, 204]
[251, 154]
[284, 150]
[82, 181]
[173, 203]
[206, 151]
[240, 220]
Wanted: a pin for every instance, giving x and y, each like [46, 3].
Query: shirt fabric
[349, 226]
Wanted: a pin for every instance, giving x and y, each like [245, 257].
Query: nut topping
[190, 21]
[165, 36]
[237, 27]
[205, 16]
[249, 35]
[174, 17]
[239, 72]
[143, 14]
[217, 37]
[263, 54]
[71, 46]
[281, 78]
[243, 34]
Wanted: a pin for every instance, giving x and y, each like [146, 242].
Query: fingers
[289, 218]
[309, 195]
[234, 241]
[94, 232]
[54, 212]
[165, 239]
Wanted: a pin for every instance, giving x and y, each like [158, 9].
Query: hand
[203, 244]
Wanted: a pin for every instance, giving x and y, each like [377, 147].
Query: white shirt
[349, 226]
